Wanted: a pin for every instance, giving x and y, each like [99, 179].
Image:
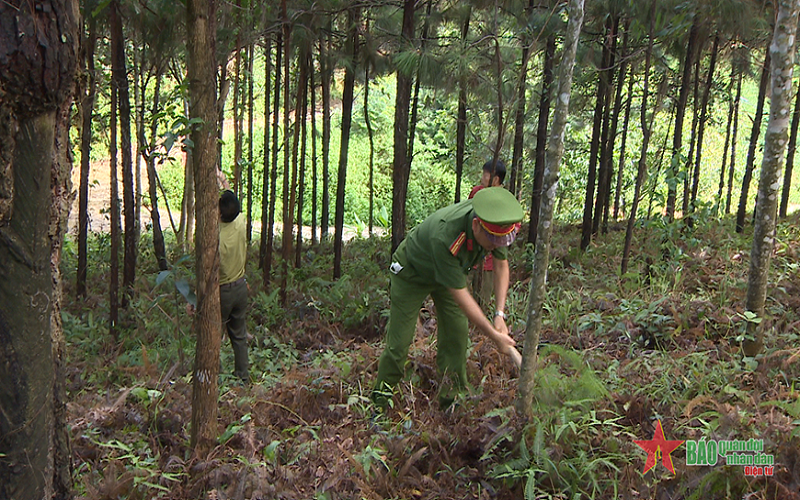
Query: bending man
[434, 259]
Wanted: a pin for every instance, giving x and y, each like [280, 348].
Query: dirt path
[100, 196]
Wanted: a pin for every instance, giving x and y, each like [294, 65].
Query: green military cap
[499, 214]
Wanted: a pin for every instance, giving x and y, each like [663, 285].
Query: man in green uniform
[232, 284]
[434, 260]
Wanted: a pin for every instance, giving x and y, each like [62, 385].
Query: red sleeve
[474, 190]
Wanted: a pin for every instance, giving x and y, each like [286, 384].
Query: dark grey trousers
[233, 302]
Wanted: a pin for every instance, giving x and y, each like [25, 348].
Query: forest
[654, 284]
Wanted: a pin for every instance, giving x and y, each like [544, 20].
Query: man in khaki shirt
[232, 284]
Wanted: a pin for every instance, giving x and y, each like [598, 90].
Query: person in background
[493, 175]
[232, 283]
[434, 259]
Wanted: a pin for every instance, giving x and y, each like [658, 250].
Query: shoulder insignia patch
[458, 243]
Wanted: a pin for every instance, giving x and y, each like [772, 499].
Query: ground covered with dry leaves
[617, 354]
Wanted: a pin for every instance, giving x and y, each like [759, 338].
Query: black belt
[233, 283]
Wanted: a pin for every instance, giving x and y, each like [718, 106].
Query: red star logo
[659, 445]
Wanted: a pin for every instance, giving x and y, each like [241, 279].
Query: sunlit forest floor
[617, 354]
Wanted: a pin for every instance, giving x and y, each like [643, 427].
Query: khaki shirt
[232, 249]
[443, 248]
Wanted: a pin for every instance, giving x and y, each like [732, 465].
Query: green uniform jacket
[443, 249]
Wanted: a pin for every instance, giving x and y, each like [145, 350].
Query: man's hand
[502, 339]
[500, 324]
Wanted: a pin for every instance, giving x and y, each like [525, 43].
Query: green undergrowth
[617, 354]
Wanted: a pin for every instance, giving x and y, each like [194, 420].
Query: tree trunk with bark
[38, 79]
[120, 77]
[687, 165]
[237, 120]
[751, 150]
[727, 142]
[594, 148]
[555, 150]
[647, 129]
[787, 176]
[325, 76]
[680, 107]
[541, 136]
[88, 93]
[735, 132]
[370, 134]
[781, 51]
[159, 247]
[612, 133]
[201, 67]
[286, 243]
[712, 64]
[515, 182]
[250, 106]
[116, 228]
[400, 164]
[314, 187]
[623, 143]
[606, 142]
[461, 120]
[353, 18]
[262, 249]
[301, 174]
[273, 175]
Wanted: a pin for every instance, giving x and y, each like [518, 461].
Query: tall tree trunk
[286, 219]
[325, 76]
[201, 32]
[515, 181]
[400, 164]
[250, 105]
[606, 145]
[727, 141]
[654, 178]
[555, 150]
[787, 176]
[159, 247]
[622, 160]
[368, 123]
[139, 91]
[89, 90]
[732, 169]
[237, 121]
[312, 84]
[120, 77]
[594, 148]
[782, 55]
[680, 108]
[273, 176]
[116, 229]
[60, 201]
[37, 77]
[712, 64]
[354, 19]
[623, 68]
[541, 137]
[262, 249]
[751, 150]
[224, 89]
[412, 125]
[301, 175]
[687, 165]
[461, 121]
[647, 129]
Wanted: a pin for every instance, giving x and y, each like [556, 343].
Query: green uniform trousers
[407, 294]
[233, 302]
